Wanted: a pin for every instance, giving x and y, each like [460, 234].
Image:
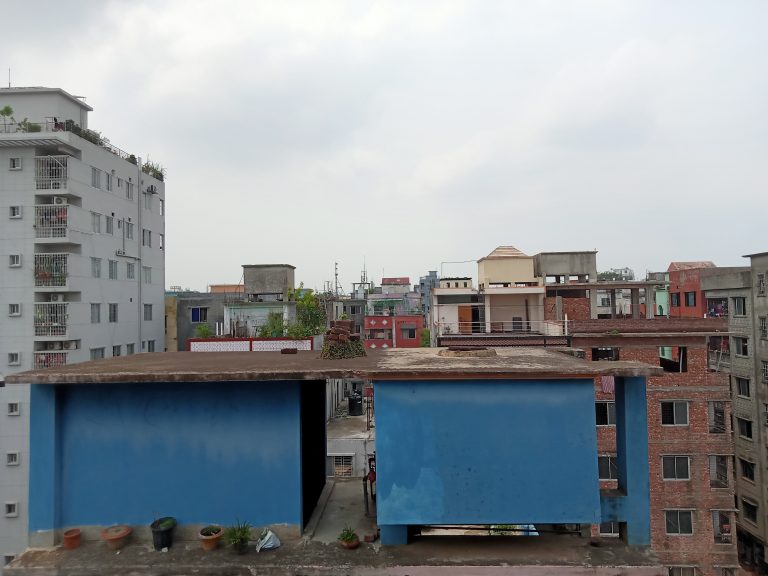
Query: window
[342, 466]
[113, 312]
[605, 302]
[129, 230]
[199, 315]
[96, 267]
[95, 313]
[742, 387]
[682, 571]
[146, 271]
[764, 370]
[8, 558]
[162, 241]
[146, 237]
[97, 353]
[148, 312]
[716, 414]
[674, 413]
[741, 346]
[605, 413]
[147, 201]
[739, 306]
[607, 468]
[747, 469]
[718, 471]
[744, 427]
[14, 358]
[675, 468]
[96, 222]
[679, 521]
[15, 164]
[14, 260]
[13, 409]
[150, 345]
[109, 180]
[119, 183]
[116, 350]
[110, 224]
[12, 458]
[763, 327]
[761, 284]
[14, 309]
[721, 526]
[113, 269]
[161, 206]
[130, 270]
[14, 212]
[408, 333]
[129, 190]
[95, 177]
[674, 299]
[11, 509]
[605, 354]
[130, 349]
[610, 529]
[749, 510]
[690, 299]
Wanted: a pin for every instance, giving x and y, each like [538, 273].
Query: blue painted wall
[452, 452]
[205, 452]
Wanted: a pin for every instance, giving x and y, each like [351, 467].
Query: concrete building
[686, 299]
[82, 264]
[739, 294]
[268, 282]
[426, 284]
[393, 316]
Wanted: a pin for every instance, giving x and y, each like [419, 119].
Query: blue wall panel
[205, 452]
[484, 452]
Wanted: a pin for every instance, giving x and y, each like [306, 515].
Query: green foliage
[27, 126]
[348, 535]
[237, 534]
[203, 331]
[339, 350]
[6, 112]
[274, 328]
[164, 523]
[153, 169]
[310, 314]
[210, 530]
[425, 338]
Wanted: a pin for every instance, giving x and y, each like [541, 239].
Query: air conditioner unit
[120, 252]
[59, 200]
[56, 298]
[70, 345]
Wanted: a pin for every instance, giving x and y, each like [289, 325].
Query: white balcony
[51, 220]
[51, 172]
[51, 319]
[50, 359]
[51, 270]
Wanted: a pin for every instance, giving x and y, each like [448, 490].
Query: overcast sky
[408, 134]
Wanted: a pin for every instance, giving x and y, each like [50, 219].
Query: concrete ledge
[322, 502]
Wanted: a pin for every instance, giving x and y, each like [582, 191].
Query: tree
[274, 328]
[425, 338]
[310, 314]
[203, 331]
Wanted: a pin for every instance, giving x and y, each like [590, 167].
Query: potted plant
[238, 535]
[72, 538]
[116, 536]
[349, 538]
[162, 532]
[210, 536]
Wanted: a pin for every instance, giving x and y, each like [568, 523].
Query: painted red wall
[394, 323]
[682, 281]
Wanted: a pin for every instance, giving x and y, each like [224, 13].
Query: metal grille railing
[51, 269]
[51, 172]
[51, 220]
[50, 359]
[51, 319]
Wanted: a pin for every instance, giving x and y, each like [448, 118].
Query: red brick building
[686, 300]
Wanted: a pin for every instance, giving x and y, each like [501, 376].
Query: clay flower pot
[116, 536]
[350, 544]
[210, 536]
[72, 538]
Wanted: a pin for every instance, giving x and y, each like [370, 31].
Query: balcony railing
[50, 359]
[51, 319]
[51, 220]
[51, 172]
[51, 269]
[514, 327]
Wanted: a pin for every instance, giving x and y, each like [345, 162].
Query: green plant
[310, 314]
[203, 331]
[274, 328]
[6, 112]
[425, 338]
[153, 169]
[165, 523]
[239, 534]
[344, 316]
[210, 530]
[348, 535]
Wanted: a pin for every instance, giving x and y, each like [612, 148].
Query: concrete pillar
[650, 302]
[635, 292]
[487, 314]
[612, 292]
[593, 303]
[394, 534]
[632, 458]
[44, 466]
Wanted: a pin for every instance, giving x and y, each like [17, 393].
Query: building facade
[82, 265]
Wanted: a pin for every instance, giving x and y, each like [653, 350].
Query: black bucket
[162, 532]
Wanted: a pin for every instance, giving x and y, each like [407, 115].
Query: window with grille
[95, 177]
[130, 270]
[130, 349]
[96, 267]
[112, 269]
[764, 370]
[11, 509]
[15, 164]
[342, 466]
[741, 346]
[110, 225]
[718, 471]
[763, 327]
[14, 260]
[150, 345]
[113, 313]
[97, 353]
[674, 413]
[14, 358]
[96, 222]
[116, 350]
[12, 458]
[95, 313]
[148, 312]
[14, 212]
[761, 284]
[717, 417]
[13, 409]
[679, 521]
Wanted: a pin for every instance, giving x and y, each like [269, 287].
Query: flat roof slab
[395, 364]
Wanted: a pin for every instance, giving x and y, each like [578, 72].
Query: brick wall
[698, 386]
[625, 325]
[574, 308]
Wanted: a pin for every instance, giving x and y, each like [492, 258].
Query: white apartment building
[82, 263]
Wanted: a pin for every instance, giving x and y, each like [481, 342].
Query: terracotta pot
[350, 545]
[72, 538]
[116, 536]
[211, 542]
